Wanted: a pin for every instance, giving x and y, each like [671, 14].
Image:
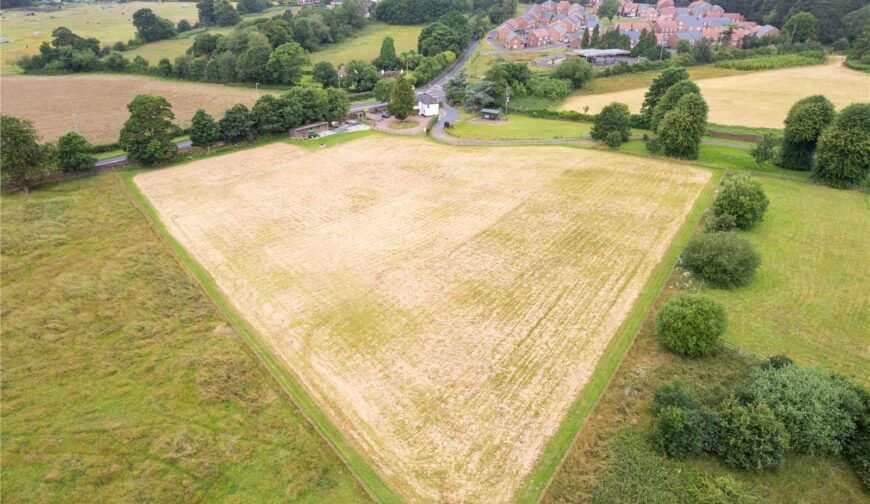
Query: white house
[427, 106]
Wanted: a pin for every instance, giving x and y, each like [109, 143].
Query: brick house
[538, 38]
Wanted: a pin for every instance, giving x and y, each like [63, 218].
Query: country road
[123, 157]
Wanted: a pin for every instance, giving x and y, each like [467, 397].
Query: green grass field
[611, 462]
[109, 22]
[121, 382]
[366, 43]
[810, 299]
[519, 127]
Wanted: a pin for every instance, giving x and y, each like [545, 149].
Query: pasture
[365, 44]
[444, 306]
[810, 298]
[757, 99]
[99, 102]
[108, 22]
[518, 127]
[122, 382]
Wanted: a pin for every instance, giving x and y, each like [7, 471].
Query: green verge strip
[359, 466]
[550, 460]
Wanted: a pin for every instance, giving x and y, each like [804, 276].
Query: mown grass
[810, 297]
[611, 461]
[121, 382]
[518, 127]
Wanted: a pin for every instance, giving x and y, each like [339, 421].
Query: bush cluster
[741, 203]
[723, 260]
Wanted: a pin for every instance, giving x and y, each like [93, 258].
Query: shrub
[678, 432]
[653, 146]
[818, 409]
[74, 153]
[203, 128]
[720, 223]
[690, 325]
[766, 150]
[575, 70]
[612, 120]
[723, 260]
[742, 198]
[841, 45]
[750, 436]
[843, 151]
[549, 88]
[776, 362]
[805, 121]
[673, 394]
[857, 448]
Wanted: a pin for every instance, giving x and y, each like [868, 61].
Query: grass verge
[554, 452]
[358, 465]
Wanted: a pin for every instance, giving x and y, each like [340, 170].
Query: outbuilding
[427, 106]
[491, 114]
[309, 130]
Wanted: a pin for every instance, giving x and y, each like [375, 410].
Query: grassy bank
[121, 381]
[611, 460]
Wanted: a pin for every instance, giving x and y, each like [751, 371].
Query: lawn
[122, 382]
[608, 463]
[58, 104]
[365, 44]
[810, 299]
[443, 306]
[518, 127]
[109, 22]
[757, 99]
[408, 124]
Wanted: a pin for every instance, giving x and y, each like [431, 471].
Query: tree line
[835, 18]
[409, 12]
[148, 134]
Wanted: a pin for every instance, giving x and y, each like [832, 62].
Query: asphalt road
[123, 157]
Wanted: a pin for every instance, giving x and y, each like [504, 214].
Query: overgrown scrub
[775, 61]
[750, 436]
[723, 260]
[741, 201]
[819, 410]
[691, 325]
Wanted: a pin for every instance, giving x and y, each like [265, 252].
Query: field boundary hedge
[365, 474]
[551, 459]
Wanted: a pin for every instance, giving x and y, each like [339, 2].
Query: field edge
[551, 458]
[365, 474]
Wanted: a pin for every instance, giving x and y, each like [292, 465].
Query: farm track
[406, 289]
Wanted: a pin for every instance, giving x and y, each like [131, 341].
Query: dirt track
[444, 305]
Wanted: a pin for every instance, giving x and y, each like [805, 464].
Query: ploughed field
[443, 305]
[758, 99]
[99, 102]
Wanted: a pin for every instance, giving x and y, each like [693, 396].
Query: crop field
[99, 102]
[810, 298]
[758, 99]
[122, 382]
[109, 22]
[443, 305]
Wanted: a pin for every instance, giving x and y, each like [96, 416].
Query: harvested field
[758, 99]
[443, 305]
[100, 101]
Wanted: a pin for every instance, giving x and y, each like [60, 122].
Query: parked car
[385, 115]
[351, 122]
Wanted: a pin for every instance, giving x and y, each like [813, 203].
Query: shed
[491, 114]
[307, 131]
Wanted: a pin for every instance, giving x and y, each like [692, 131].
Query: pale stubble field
[443, 305]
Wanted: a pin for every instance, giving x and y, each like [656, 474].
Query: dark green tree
[285, 64]
[575, 70]
[23, 158]
[150, 27]
[658, 88]
[203, 128]
[750, 436]
[804, 123]
[74, 153]
[147, 134]
[800, 27]
[237, 124]
[613, 118]
[402, 98]
[691, 325]
[723, 260]
[584, 40]
[388, 59]
[669, 101]
[164, 67]
[183, 26]
[361, 76]
[437, 38]
[383, 89]
[205, 9]
[455, 88]
[767, 149]
[743, 200]
[337, 104]
[595, 40]
[325, 74]
[268, 116]
[681, 130]
[843, 151]
[608, 9]
[225, 14]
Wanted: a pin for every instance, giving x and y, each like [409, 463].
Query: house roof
[690, 21]
[510, 36]
[540, 32]
[684, 35]
[764, 30]
[426, 99]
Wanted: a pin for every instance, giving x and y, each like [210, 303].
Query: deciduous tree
[74, 153]
[147, 134]
[23, 158]
[203, 128]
